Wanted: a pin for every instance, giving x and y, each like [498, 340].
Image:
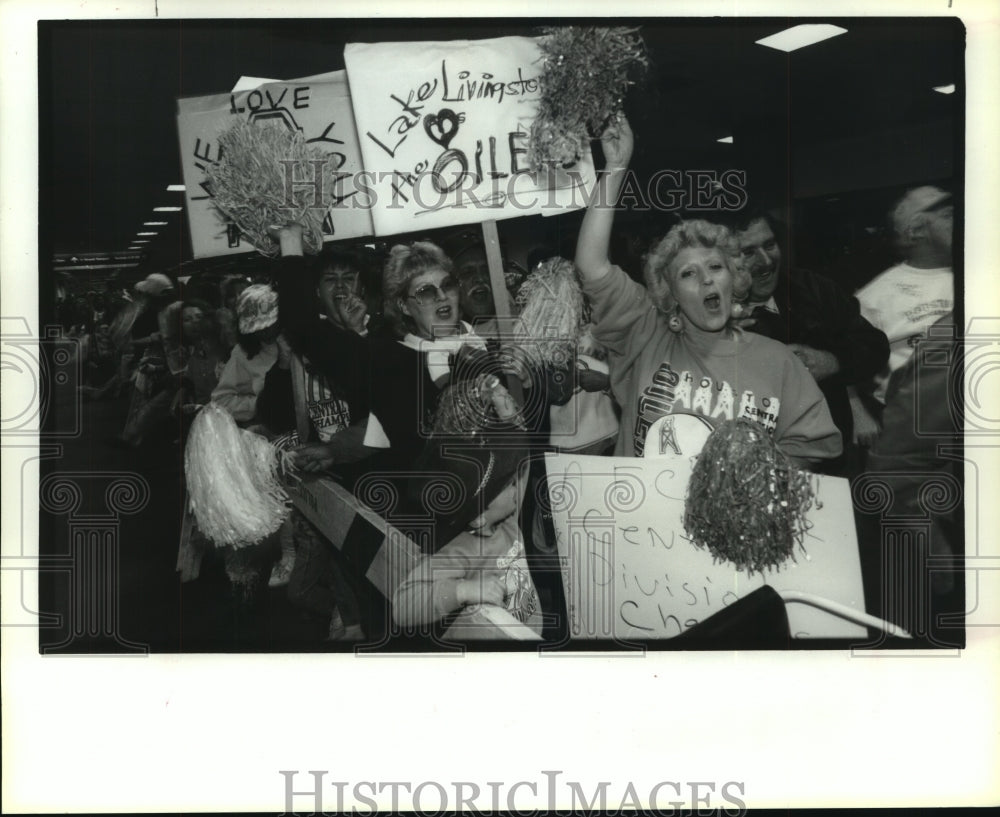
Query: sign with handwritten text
[444, 133]
[631, 572]
[320, 108]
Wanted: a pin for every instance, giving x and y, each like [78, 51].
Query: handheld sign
[631, 573]
[444, 131]
[320, 108]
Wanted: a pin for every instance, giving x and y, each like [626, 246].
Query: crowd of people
[407, 361]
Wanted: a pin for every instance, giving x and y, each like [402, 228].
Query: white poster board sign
[444, 133]
[631, 573]
[319, 107]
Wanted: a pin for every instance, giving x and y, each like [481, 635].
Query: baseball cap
[257, 308]
[917, 200]
[155, 284]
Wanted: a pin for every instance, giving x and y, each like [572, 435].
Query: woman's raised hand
[617, 141]
[289, 237]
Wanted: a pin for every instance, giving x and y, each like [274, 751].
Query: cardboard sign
[631, 573]
[444, 133]
[319, 107]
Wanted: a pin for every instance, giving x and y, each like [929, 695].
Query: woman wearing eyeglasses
[397, 377]
[421, 299]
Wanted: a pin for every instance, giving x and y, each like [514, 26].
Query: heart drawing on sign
[442, 126]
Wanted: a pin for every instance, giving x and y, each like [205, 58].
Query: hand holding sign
[316, 108]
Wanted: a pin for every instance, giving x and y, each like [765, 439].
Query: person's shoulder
[817, 284]
[749, 339]
[884, 279]
[389, 354]
[764, 346]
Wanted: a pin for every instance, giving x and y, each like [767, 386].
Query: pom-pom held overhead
[585, 76]
[251, 183]
[233, 479]
[746, 502]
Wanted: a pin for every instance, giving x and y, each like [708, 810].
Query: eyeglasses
[428, 293]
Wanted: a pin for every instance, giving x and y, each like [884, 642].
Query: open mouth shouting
[702, 285]
[481, 292]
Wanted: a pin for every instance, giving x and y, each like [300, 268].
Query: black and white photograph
[410, 412]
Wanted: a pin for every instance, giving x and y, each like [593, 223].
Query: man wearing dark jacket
[820, 322]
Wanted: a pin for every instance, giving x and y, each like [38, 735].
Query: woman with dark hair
[177, 372]
[230, 289]
[679, 364]
[205, 354]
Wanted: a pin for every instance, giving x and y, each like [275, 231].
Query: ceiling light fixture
[167, 209]
[155, 223]
[797, 37]
[147, 233]
[176, 188]
[725, 140]
[945, 89]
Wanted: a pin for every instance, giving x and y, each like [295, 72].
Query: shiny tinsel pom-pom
[746, 503]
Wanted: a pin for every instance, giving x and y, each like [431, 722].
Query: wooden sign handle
[501, 300]
[491, 240]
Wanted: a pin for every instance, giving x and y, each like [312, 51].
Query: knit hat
[257, 308]
[918, 200]
[155, 284]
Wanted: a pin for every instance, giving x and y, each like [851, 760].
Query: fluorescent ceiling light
[141, 241]
[945, 89]
[800, 36]
[147, 233]
[726, 140]
[155, 223]
[167, 209]
[176, 188]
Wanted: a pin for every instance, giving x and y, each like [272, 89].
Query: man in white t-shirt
[905, 300]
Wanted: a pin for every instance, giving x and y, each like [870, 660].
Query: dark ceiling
[108, 140]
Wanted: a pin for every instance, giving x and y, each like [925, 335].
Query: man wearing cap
[154, 293]
[905, 300]
[821, 323]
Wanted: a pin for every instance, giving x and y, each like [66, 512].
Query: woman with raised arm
[678, 364]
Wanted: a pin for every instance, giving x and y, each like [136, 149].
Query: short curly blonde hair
[687, 234]
[406, 262]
